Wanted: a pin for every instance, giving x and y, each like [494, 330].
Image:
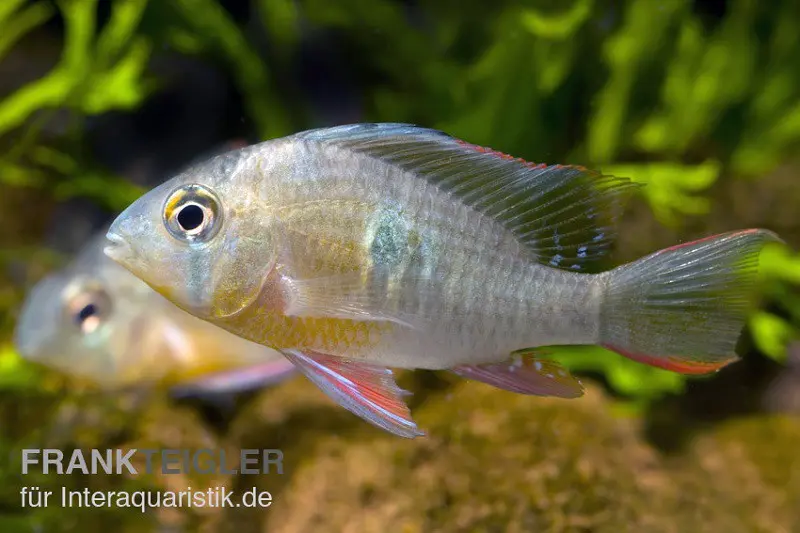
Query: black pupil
[190, 217]
[88, 310]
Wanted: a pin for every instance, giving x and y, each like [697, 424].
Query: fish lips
[117, 248]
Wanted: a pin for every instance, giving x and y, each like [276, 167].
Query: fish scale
[459, 251]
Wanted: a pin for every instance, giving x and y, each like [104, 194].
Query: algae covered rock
[495, 461]
[492, 461]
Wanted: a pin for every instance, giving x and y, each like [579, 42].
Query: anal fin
[525, 373]
[366, 390]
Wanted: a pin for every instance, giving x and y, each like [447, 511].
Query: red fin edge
[672, 363]
[366, 390]
[710, 237]
[501, 155]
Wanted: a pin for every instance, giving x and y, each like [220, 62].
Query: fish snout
[117, 248]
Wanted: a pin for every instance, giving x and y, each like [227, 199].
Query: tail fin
[683, 308]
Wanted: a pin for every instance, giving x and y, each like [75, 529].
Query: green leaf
[213, 24]
[16, 26]
[54, 159]
[121, 86]
[281, 18]
[15, 372]
[79, 16]
[640, 39]
[625, 376]
[671, 187]
[109, 191]
[781, 263]
[771, 335]
[16, 175]
[705, 76]
[7, 9]
[119, 31]
[560, 26]
[49, 91]
[771, 129]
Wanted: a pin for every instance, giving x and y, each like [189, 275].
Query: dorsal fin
[564, 214]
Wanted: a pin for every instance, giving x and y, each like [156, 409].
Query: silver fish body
[361, 247]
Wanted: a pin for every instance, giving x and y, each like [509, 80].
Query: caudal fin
[683, 308]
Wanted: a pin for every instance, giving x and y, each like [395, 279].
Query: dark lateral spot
[390, 243]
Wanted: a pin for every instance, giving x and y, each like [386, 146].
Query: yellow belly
[329, 335]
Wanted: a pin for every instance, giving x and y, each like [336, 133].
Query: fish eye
[192, 214]
[89, 309]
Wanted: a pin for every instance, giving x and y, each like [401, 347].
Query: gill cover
[245, 258]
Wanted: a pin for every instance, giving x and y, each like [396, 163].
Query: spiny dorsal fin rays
[564, 214]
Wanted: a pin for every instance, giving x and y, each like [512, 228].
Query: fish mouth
[118, 248]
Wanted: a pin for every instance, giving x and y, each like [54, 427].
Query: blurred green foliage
[14, 373]
[771, 332]
[650, 90]
[97, 72]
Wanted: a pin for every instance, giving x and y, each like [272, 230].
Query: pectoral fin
[344, 296]
[525, 373]
[366, 390]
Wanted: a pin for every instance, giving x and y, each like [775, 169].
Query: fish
[358, 249]
[95, 321]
